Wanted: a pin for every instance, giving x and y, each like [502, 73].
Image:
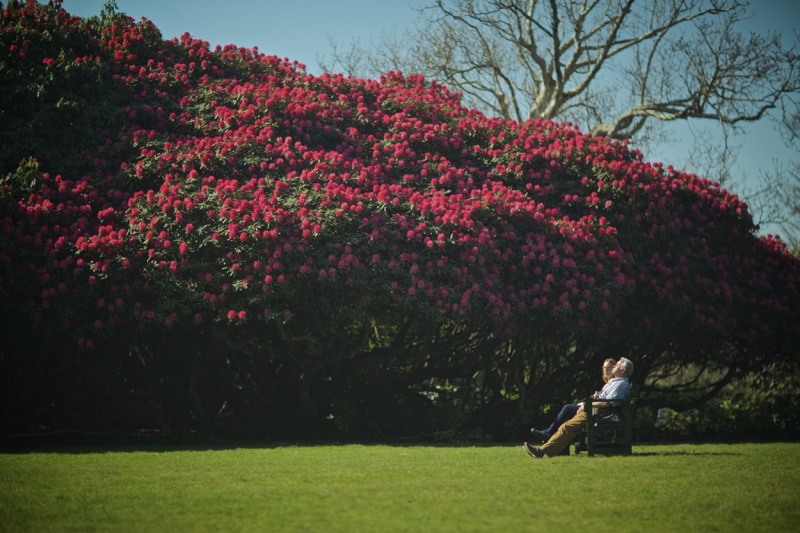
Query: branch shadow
[262, 445]
[227, 446]
[679, 453]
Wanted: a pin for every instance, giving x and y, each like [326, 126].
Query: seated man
[616, 389]
[570, 410]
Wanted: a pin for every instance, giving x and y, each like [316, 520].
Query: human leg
[563, 416]
[565, 434]
[566, 413]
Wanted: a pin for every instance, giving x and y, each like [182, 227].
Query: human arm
[616, 389]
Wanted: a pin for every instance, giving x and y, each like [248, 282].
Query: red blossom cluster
[232, 186]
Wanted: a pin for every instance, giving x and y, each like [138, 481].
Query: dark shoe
[536, 453]
[541, 435]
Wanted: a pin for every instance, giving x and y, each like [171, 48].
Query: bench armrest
[595, 400]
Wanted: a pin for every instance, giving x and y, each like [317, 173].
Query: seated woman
[569, 411]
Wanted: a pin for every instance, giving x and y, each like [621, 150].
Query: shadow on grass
[246, 445]
[256, 445]
[669, 454]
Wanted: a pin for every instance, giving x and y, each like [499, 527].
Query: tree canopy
[188, 231]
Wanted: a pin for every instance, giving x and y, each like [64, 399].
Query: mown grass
[741, 487]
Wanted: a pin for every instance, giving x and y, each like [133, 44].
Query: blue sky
[300, 30]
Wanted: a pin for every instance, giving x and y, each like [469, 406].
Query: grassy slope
[743, 487]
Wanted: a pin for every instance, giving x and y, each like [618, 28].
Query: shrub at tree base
[219, 241]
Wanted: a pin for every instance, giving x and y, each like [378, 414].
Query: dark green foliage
[216, 244]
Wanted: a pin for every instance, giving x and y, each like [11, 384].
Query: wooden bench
[621, 441]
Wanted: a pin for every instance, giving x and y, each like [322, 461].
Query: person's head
[608, 365]
[623, 368]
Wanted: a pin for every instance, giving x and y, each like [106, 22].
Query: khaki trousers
[565, 434]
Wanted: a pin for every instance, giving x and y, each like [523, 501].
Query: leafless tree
[619, 68]
[775, 201]
[609, 65]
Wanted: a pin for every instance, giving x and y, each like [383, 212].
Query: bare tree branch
[619, 68]
[775, 201]
[523, 59]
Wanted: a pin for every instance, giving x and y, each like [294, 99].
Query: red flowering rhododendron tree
[220, 222]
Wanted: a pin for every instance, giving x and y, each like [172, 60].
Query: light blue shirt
[615, 389]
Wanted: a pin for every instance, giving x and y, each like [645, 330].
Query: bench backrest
[633, 394]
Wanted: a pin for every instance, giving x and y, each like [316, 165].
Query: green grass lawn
[739, 487]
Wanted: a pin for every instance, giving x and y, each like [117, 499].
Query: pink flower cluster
[241, 183]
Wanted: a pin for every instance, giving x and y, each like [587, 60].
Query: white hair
[627, 364]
